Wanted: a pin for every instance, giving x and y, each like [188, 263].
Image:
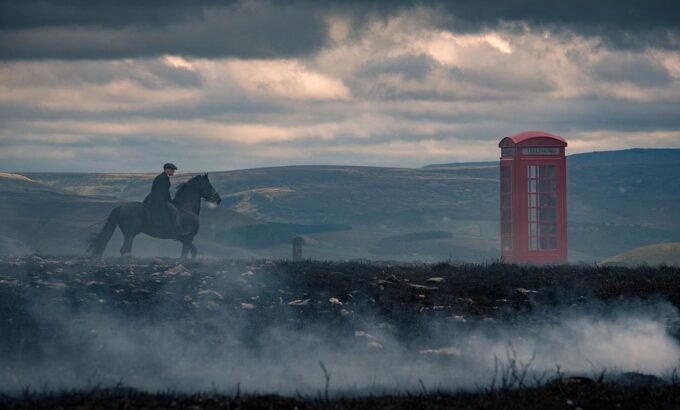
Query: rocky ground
[369, 304]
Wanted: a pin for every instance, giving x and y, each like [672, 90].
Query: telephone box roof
[524, 139]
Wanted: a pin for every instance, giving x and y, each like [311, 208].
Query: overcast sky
[126, 86]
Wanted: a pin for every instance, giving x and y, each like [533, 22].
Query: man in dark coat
[162, 214]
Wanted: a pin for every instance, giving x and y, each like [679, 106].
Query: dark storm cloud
[82, 30]
[35, 29]
[632, 68]
[620, 23]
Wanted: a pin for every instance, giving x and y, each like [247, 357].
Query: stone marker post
[297, 248]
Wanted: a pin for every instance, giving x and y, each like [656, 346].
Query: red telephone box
[533, 198]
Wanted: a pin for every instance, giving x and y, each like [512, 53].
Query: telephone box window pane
[547, 214]
[548, 229]
[547, 200]
[506, 206]
[532, 171]
[533, 229]
[533, 243]
[548, 243]
[546, 171]
[542, 203]
[532, 185]
[532, 200]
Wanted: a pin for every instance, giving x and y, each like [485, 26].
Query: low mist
[165, 349]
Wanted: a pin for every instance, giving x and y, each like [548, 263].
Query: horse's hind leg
[126, 249]
[188, 246]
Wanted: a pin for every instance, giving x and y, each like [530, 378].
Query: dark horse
[131, 218]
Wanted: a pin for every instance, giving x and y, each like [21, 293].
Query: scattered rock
[435, 280]
[422, 287]
[335, 301]
[141, 290]
[51, 284]
[210, 292]
[247, 306]
[178, 270]
[370, 339]
[361, 333]
[300, 302]
[444, 351]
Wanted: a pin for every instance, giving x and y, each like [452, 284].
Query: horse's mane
[183, 185]
[181, 188]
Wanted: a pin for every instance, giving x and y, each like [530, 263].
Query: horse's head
[206, 189]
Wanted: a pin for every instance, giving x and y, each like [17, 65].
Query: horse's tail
[97, 243]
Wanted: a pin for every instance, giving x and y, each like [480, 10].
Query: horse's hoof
[126, 255]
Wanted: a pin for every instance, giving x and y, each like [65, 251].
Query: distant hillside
[16, 183]
[114, 185]
[41, 218]
[657, 254]
[462, 164]
[609, 157]
[628, 156]
[617, 200]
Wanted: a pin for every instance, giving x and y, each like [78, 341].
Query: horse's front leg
[193, 249]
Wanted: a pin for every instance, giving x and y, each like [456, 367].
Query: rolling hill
[656, 254]
[618, 200]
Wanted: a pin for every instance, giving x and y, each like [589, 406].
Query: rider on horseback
[161, 212]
